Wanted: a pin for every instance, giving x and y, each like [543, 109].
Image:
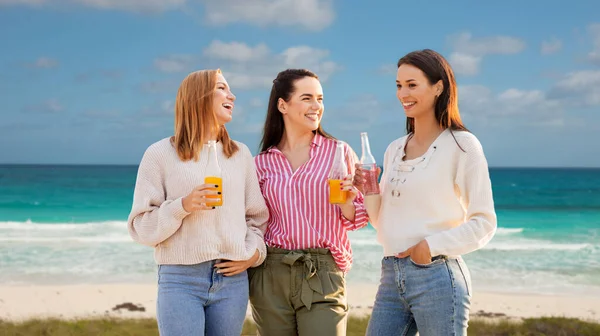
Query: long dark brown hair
[283, 87]
[436, 68]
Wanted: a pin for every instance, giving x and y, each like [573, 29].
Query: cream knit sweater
[233, 231]
[444, 196]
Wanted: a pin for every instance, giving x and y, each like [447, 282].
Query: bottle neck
[338, 168]
[213, 167]
[366, 148]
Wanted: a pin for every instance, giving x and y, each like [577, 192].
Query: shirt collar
[316, 141]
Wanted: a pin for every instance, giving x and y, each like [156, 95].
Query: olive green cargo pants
[298, 293]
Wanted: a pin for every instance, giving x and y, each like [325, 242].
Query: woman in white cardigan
[435, 205]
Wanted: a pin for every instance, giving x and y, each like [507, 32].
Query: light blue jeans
[195, 300]
[432, 299]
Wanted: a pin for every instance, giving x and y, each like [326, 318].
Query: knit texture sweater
[443, 196]
[233, 231]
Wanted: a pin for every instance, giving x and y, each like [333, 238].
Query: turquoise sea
[67, 224]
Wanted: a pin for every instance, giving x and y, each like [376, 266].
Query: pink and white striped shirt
[301, 216]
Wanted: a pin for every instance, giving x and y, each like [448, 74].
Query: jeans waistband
[437, 257]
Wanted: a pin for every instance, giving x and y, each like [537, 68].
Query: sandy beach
[129, 300]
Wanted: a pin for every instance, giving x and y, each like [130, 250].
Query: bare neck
[426, 129]
[293, 139]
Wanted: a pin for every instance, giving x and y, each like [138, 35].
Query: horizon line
[137, 164]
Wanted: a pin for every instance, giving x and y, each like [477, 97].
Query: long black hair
[283, 87]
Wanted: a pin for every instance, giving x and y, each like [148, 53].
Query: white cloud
[464, 63]
[134, 5]
[468, 51]
[43, 63]
[579, 88]
[313, 15]
[240, 79]
[557, 107]
[594, 55]
[551, 46]
[257, 66]
[501, 45]
[236, 51]
[478, 102]
[174, 63]
[140, 6]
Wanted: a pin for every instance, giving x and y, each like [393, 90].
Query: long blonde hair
[195, 119]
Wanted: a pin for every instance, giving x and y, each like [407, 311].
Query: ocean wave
[508, 231]
[365, 242]
[61, 240]
[549, 207]
[535, 245]
[31, 226]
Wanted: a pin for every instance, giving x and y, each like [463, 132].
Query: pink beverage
[371, 186]
[369, 166]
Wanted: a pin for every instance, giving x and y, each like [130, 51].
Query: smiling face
[223, 100]
[415, 92]
[304, 109]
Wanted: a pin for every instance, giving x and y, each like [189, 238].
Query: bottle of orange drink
[213, 174]
[338, 171]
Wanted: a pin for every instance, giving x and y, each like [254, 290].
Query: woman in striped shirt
[300, 288]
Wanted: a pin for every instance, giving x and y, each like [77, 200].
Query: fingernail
[214, 207]
[219, 193]
[216, 185]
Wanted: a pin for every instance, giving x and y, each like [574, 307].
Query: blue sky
[93, 81]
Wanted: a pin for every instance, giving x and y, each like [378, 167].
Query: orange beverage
[218, 181]
[336, 194]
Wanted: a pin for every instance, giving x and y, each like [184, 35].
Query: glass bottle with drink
[213, 174]
[369, 167]
[338, 171]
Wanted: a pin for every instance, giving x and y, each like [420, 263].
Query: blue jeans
[432, 299]
[195, 300]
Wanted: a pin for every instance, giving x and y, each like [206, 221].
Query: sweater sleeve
[153, 218]
[473, 182]
[257, 212]
[361, 219]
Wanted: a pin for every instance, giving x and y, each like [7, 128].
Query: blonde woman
[202, 251]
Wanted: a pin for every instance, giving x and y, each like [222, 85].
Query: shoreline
[24, 302]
